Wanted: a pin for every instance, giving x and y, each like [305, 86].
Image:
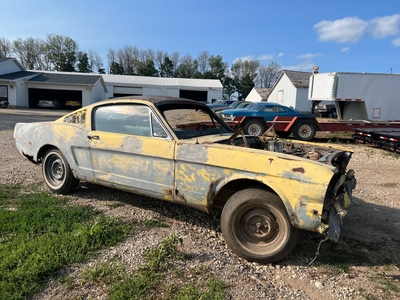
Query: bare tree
[175, 58]
[241, 68]
[159, 58]
[5, 47]
[127, 58]
[203, 60]
[111, 58]
[267, 75]
[29, 52]
[95, 61]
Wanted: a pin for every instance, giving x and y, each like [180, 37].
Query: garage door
[127, 91]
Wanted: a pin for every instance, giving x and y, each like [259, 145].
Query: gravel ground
[369, 248]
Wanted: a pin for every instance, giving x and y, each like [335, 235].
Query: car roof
[155, 100]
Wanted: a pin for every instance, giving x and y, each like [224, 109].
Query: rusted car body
[178, 150]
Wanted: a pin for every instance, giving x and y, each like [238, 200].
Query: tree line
[61, 53]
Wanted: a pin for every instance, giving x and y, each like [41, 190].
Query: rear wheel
[304, 131]
[57, 173]
[254, 127]
[256, 226]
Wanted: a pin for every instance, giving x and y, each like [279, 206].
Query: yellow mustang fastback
[178, 150]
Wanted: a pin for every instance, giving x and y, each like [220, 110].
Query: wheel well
[43, 150]
[259, 119]
[234, 186]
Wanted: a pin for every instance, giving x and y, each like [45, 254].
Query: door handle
[93, 137]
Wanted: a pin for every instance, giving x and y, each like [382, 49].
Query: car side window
[131, 119]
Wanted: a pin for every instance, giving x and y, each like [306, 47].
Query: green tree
[244, 86]
[116, 68]
[167, 68]
[83, 63]
[229, 87]
[148, 69]
[188, 68]
[218, 68]
[60, 52]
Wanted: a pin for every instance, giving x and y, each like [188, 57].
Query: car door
[131, 150]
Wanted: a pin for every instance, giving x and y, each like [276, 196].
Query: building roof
[17, 75]
[3, 59]
[299, 79]
[133, 80]
[263, 92]
[66, 78]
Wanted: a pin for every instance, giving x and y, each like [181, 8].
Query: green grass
[41, 233]
[147, 281]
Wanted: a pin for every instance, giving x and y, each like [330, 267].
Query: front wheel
[304, 131]
[254, 127]
[57, 174]
[256, 226]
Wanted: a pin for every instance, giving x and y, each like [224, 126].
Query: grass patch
[41, 233]
[148, 280]
[386, 283]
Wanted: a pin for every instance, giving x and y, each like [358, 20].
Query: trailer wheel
[304, 131]
[254, 127]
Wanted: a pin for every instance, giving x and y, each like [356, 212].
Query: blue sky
[347, 36]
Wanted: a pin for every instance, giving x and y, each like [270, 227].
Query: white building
[258, 94]
[24, 88]
[291, 89]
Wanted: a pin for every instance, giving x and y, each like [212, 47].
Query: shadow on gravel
[370, 234]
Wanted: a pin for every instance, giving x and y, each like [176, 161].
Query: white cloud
[352, 29]
[262, 57]
[247, 57]
[303, 66]
[345, 49]
[381, 27]
[342, 30]
[266, 57]
[308, 55]
[396, 42]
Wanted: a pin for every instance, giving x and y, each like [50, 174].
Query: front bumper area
[334, 209]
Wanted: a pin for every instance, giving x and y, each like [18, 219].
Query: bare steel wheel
[256, 226]
[304, 131]
[254, 127]
[57, 173]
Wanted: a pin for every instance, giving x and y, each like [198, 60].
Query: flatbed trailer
[386, 138]
[306, 128]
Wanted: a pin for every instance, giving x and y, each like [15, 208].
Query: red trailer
[305, 128]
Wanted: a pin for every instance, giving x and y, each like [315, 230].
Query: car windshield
[234, 104]
[190, 122]
[254, 107]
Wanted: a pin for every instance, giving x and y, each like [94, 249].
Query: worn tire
[57, 174]
[253, 127]
[304, 131]
[256, 226]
